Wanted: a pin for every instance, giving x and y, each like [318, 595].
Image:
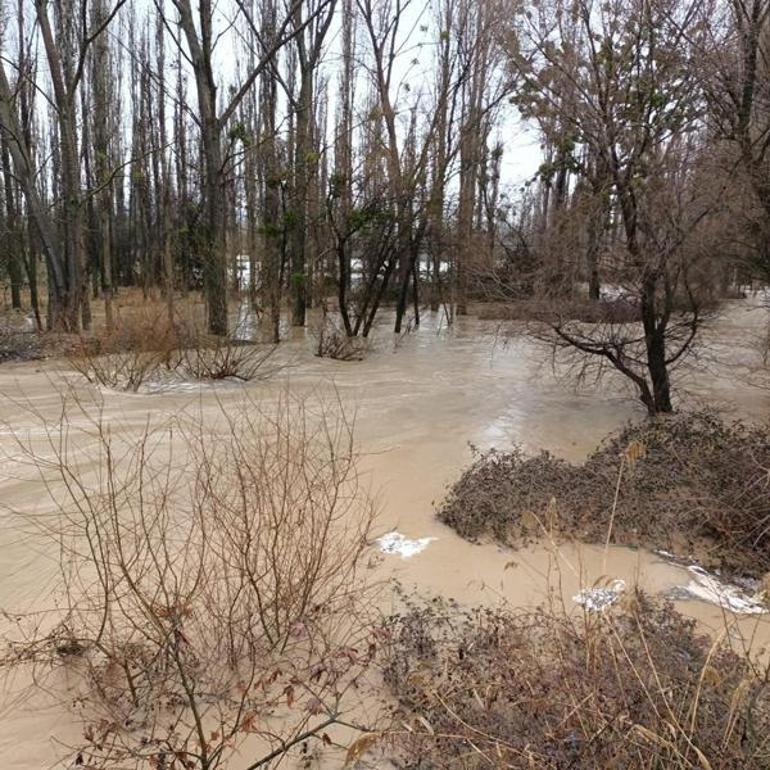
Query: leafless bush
[699, 484]
[210, 586]
[633, 687]
[333, 342]
[218, 358]
[120, 371]
[127, 356]
[145, 345]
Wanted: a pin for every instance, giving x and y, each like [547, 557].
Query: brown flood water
[417, 406]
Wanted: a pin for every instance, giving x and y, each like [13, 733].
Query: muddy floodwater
[418, 402]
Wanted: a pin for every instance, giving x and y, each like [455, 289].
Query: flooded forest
[384, 384]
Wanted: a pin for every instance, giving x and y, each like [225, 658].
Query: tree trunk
[302, 161]
[38, 211]
[655, 342]
[66, 314]
[14, 233]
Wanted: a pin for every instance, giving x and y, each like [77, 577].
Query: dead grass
[634, 687]
[690, 483]
[145, 346]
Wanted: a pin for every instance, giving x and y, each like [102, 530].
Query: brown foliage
[699, 482]
[633, 687]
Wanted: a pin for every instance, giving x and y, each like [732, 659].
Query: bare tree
[621, 80]
[201, 39]
[308, 42]
[210, 587]
[734, 62]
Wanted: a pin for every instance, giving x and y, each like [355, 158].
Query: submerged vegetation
[148, 348]
[690, 483]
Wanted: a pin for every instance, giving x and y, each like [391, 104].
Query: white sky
[522, 153]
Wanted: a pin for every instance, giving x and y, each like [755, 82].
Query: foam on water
[599, 598]
[395, 542]
[709, 588]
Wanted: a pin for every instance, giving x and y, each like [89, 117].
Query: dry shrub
[146, 346]
[700, 483]
[133, 352]
[500, 487]
[333, 342]
[630, 688]
[128, 370]
[210, 585]
[217, 358]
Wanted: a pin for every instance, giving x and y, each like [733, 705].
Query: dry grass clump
[211, 588]
[686, 482]
[147, 346]
[630, 688]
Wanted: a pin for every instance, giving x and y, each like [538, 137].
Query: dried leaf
[359, 747]
[247, 723]
[635, 451]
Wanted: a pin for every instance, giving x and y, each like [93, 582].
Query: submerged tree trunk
[14, 243]
[299, 224]
[655, 343]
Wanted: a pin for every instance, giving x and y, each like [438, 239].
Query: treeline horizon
[353, 149]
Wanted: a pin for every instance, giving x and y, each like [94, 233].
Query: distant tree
[734, 61]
